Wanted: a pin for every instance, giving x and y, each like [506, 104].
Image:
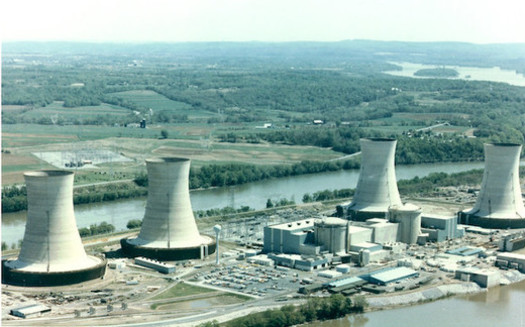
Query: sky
[138, 21]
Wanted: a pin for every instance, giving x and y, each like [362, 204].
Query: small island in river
[437, 72]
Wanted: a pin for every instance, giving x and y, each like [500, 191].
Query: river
[493, 74]
[502, 306]
[254, 195]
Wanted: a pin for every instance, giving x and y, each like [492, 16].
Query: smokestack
[52, 252]
[499, 203]
[169, 231]
[377, 186]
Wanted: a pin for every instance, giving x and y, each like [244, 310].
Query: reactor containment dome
[376, 189]
[499, 203]
[52, 252]
[169, 231]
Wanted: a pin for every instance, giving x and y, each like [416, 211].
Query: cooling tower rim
[379, 139]
[504, 144]
[167, 159]
[47, 173]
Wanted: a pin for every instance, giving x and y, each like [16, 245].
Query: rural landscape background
[247, 111]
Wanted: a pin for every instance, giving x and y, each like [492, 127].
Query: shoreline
[390, 301]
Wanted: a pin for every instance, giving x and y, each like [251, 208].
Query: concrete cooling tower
[52, 252]
[499, 203]
[377, 186]
[169, 231]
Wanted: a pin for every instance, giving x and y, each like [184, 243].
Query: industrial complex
[378, 245]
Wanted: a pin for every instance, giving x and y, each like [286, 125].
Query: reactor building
[377, 186]
[499, 203]
[168, 231]
[52, 252]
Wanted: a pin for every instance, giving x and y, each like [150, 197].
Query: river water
[500, 306]
[254, 195]
[493, 74]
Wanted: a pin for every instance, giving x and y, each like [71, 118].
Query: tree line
[94, 229]
[14, 198]
[315, 308]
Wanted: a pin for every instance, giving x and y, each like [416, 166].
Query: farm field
[138, 149]
[56, 109]
[158, 103]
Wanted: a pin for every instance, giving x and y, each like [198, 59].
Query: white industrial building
[52, 252]
[307, 236]
[29, 310]
[499, 203]
[408, 218]
[168, 230]
[377, 185]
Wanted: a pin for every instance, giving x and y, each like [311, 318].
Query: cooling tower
[52, 252]
[377, 186]
[169, 231]
[499, 203]
[409, 219]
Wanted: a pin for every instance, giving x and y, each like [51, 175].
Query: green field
[158, 102]
[57, 109]
[181, 289]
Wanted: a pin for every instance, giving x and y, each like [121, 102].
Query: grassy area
[57, 108]
[158, 102]
[219, 300]
[181, 289]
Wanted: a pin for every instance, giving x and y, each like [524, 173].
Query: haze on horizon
[140, 21]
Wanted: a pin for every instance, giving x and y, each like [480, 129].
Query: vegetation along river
[253, 195]
[502, 306]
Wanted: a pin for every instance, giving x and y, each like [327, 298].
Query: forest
[232, 88]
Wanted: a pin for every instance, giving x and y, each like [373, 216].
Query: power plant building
[331, 234]
[408, 218]
[52, 252]
[499, 204]
[308, 236]
[441, 228]
[168, 231]
[377, 186]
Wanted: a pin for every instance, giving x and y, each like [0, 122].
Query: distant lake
[494, 74]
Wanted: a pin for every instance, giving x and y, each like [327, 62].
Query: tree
[134, 223]
[360, 303]
[269, 203]
[164, 134]
[4, 246]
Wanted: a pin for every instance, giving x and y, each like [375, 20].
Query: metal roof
[392, 275]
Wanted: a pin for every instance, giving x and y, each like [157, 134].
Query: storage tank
[408, 217]
[52, 252]
[169, 231]
[499, 203]
[377, 186]
[331, 234]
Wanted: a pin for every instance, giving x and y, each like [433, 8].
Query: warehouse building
[391, 275]
[29, 311]
[484, 278]
[159, 266]
[511, 260]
